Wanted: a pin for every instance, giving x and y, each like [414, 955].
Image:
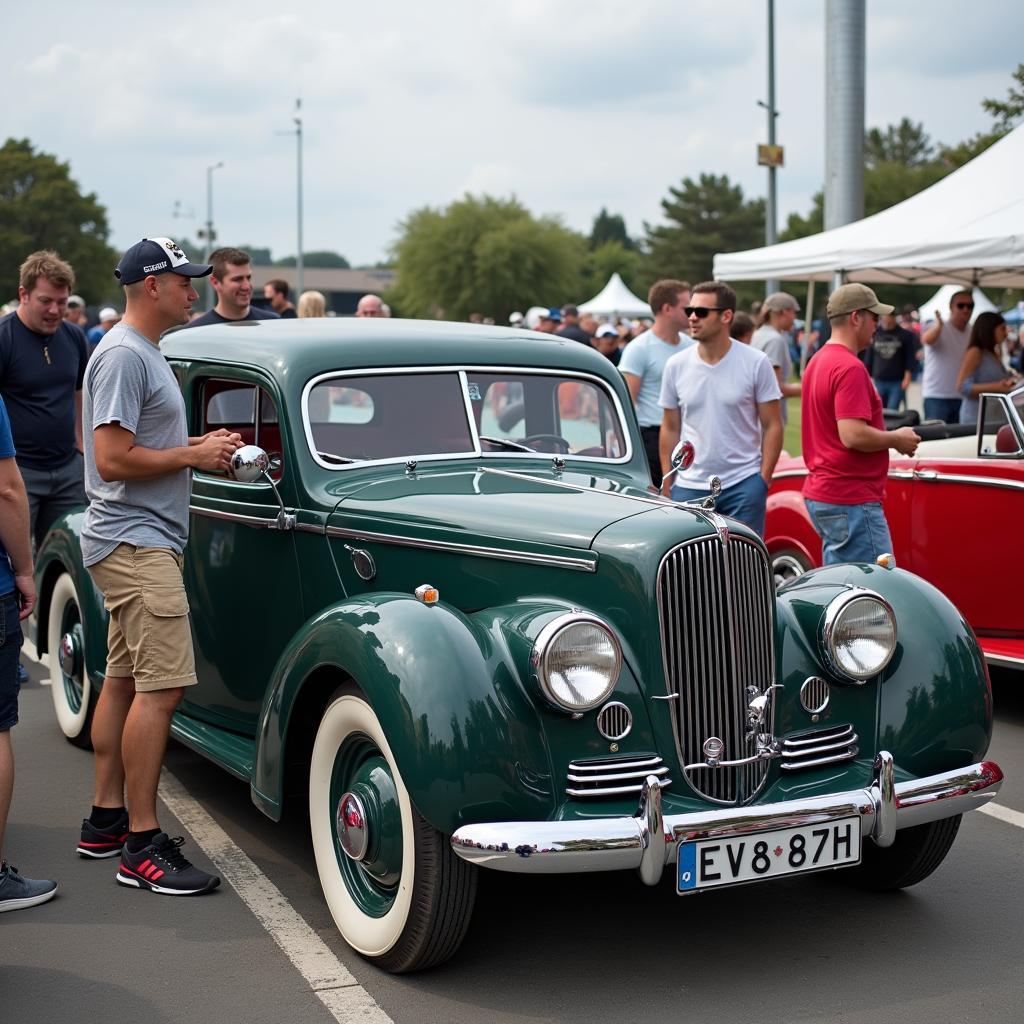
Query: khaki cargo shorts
[149, 636]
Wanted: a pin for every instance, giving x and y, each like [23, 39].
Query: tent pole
[808, 326]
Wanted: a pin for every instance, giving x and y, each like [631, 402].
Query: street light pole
[209, 224]
[298, 191]
[771, 210]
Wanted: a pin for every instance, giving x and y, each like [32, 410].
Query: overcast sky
[570, 105]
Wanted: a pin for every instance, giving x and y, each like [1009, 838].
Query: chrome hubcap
[68, 654]
[352, 826]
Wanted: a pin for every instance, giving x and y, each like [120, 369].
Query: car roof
[307, 346]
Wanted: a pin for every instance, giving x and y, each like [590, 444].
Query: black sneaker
[161, 867]
[17, 893]
[103, 842]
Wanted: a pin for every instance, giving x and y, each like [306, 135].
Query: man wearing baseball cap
[845, 443]
[138, 463]
[108, 316]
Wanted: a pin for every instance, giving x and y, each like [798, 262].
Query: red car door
[964, 531]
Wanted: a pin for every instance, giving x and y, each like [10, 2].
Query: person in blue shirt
[17, 598]
[108, 317]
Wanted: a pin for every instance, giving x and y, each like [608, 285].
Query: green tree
[703, 217]
[905, 143]
[610, 227]
[42, 207]
[487, 255]
[260, 254]
[612, 257]
[317, 258]
[1007, 113]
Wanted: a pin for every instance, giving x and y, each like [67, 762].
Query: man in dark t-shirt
[232, 281]
[571, 327]
[890, 361]
[42, 366]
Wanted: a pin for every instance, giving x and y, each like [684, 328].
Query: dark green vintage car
[476, 639]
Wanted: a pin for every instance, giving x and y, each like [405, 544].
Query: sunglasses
[965, 305]
[701, 312]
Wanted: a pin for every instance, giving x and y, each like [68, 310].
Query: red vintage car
[955, 511]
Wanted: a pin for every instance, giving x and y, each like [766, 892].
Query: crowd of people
[98, 420]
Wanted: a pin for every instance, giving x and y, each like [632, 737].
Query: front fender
[465, 736]
[932, 704]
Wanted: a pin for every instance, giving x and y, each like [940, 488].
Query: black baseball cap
[154, 256]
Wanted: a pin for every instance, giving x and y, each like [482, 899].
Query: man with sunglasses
[845, 443]
[945, 343]
[722, 396]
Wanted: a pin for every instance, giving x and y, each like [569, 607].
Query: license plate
[710, 863]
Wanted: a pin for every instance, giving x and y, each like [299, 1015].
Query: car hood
[489, 505]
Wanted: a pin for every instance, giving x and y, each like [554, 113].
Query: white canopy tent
[968, 228]
[941, 299]
[615, 299]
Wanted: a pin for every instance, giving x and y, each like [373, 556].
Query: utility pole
[298, 192]
[771, 155]
[209, 234]
[297, 132]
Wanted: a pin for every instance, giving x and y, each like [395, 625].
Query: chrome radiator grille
[715, 602]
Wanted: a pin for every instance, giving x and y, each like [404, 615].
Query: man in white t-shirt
[643, 361]
[723, 397]
[945, 343]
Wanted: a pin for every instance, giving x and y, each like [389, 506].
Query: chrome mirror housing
[682, 458]
[249, 463]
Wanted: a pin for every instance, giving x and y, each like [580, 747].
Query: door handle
[926, 474]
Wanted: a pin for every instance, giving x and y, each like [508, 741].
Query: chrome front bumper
[648, 840]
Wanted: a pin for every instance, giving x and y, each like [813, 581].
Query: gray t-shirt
[128, 382]
[775, 345]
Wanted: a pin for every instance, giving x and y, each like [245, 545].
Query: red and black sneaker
[161, 867]
[103, 842]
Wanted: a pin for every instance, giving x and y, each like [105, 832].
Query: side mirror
[682, 458]
[249, 463]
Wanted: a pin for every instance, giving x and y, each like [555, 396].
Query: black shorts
[652, 438]
[10, 652]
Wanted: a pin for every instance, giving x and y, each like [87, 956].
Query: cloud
[570, 105]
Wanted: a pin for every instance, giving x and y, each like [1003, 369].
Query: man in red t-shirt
[845, 443]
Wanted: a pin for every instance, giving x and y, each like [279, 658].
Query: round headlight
[860, 634]
[577, 660]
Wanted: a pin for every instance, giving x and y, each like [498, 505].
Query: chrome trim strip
[838, 732]
[258, 522]
[585, 766]
[636, 787]
[1004, 660]
[641, 841]
[901, 474]
[834, 759]
[618, 776]
[583, 564]
[963, 478]
[787, 473]
[794, 756]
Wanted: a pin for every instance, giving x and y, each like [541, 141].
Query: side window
[243, 409]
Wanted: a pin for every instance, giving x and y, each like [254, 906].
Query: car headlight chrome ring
[576, 660]
[859, 634]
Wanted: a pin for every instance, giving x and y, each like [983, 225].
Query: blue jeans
[945, 409]
[10, 648]
[890, 392]
[850, 533]
[744, 501]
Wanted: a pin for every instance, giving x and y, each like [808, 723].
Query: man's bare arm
[118, 457]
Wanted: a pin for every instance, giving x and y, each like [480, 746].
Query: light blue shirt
[645, 357]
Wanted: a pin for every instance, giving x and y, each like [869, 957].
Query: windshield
[380, 416]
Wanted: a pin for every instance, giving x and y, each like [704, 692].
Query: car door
[241, 571]
[966, 512]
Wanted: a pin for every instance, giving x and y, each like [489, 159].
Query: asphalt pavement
[578, 949]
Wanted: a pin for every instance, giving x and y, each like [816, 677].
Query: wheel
[787, 564]
[73, 696]
[398, 894]
[562, 447]
[917, 852]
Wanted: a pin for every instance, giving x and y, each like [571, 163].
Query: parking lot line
[329, 979]
[1006, 814]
